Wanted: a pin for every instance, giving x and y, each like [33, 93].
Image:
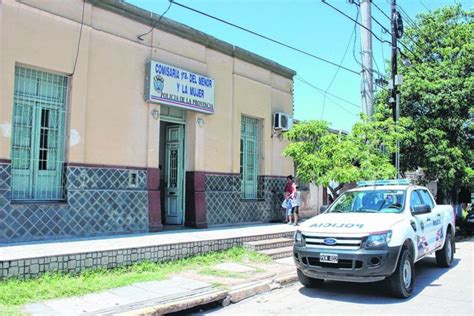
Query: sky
[309, 25]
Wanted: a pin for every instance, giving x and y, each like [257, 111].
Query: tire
[402, 280]
[307, 281]
[444, 256]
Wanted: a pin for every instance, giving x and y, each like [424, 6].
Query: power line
[298, 77]
[378, 8]
[421, 1]
[350, 18]
[321, 91]
[140, 37]
[79, 40]
[342, 60]
[265, 37]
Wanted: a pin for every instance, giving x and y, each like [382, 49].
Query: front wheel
[444, 256]
[402, 280]
[307, 281]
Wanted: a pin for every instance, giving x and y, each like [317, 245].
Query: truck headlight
[378, 239]
[298, 238]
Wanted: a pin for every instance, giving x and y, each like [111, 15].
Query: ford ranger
[374, 232]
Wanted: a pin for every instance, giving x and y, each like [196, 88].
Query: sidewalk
[28, 260]
[181, 292]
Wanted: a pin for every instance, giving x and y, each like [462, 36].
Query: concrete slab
[234, 267]
[84, 304]
[160, 288]
[287, 261]
[133, 293]
[39, 309]
[188, 284]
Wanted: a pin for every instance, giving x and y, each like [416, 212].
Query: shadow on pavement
[426, 274]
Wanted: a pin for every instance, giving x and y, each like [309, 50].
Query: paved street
[437, 291]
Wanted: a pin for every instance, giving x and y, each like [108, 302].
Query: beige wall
[109, 122]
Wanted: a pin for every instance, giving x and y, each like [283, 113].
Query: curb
[225, 296]
[180, 305]
[249, 290]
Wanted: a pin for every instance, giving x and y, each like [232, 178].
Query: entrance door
[174, 176]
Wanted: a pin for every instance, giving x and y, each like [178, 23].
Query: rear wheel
[402, 280]
[307, 281]
[444, 256]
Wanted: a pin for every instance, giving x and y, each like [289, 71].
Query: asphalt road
[437, 291]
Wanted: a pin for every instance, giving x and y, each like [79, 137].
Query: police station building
[106, 129]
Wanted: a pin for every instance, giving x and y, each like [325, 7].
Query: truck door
[436, 221]
[423, 225]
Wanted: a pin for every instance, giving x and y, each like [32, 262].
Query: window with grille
[249, 156]
[37, 143]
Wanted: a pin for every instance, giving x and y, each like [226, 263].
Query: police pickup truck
[374, 232]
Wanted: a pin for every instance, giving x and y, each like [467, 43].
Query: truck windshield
[370, 201]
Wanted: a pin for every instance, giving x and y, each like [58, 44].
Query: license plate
[328, 257]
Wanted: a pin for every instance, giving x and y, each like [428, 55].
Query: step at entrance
[278, 253]
[275, 248]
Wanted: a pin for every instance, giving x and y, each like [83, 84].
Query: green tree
[437, 94]
[322, 156]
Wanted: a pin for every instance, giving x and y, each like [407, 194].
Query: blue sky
[309, 25]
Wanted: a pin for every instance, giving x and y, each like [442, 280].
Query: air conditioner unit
[282, 121]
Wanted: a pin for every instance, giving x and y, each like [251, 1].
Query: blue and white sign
[173, 86]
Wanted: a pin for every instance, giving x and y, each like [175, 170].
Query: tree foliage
[437, 94]
[322, 156]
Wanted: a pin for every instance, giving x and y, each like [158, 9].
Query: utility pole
[394, 96]
[367, 85]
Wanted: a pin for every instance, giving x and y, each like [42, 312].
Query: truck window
[415, 199]
[425, 196]
[374, 201]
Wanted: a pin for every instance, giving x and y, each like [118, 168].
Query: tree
[322, 156]
[437, 94]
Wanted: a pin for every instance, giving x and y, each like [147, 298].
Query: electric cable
[347, 16]
[321, 91]
[423, 4]
[266, 37]
[79, 40]
[381, 11]
[140, 37]
[298, 77]
[342, 60]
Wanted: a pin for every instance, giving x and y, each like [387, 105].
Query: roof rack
[383, 182]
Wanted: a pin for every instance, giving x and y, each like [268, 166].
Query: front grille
[346, 243]
[341, 264]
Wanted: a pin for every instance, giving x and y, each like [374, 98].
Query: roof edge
[170, 26]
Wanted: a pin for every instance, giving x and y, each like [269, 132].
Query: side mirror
[323, 208]
[421, 209]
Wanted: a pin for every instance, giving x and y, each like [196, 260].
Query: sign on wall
[173, 86]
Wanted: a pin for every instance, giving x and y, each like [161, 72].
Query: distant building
[105, 131]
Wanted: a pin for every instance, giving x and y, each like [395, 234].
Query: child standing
[295, 206]
[290, 189]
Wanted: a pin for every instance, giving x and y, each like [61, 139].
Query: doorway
[172, 165]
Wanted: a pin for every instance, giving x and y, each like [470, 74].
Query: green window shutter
[37, 147]
[249, 156]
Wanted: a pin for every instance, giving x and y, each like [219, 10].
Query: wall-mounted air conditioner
[282, 121]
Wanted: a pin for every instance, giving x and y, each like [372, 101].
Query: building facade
[105, 128]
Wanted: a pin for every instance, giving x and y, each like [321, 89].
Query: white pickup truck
[374, 232]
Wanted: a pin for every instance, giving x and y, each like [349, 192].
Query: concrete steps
[268, 244]
[276, 248]
[278, 253]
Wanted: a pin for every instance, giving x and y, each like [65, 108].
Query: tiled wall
[99, 201]
[225, 205]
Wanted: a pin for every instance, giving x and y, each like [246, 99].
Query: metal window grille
[37, 145]
[249, 156]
